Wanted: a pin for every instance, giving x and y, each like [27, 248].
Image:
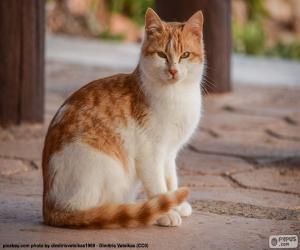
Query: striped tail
[124, 215]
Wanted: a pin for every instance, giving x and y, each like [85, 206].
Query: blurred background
[259, 27]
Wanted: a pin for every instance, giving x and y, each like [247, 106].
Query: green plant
[135, 9]
[285, 50]
[257, 10]
[106, 35]
[249, 38]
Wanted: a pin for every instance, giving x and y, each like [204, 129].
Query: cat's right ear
[153, 23]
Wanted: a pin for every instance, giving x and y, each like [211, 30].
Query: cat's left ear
[153, 23]
[195, 24]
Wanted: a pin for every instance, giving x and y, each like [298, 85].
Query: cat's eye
[185, 55]
[162, 54]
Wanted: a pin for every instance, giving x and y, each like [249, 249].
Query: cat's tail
[124, 215]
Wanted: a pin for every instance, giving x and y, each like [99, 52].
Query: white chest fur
[175, 113]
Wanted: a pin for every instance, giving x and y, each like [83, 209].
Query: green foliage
[288, 50]
[106, 35]
[249, 39]
[256, 9]
[135, 9]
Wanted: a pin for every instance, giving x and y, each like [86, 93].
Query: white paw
[171, 219]
[184, 209]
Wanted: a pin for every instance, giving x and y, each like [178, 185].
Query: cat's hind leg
[84, 177]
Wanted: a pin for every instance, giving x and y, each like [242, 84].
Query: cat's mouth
[173, 79]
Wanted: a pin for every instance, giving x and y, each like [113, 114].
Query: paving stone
[245, 145]
[21, 222]
[250, 139]
[243, 97]
[24, 132]
[285, 180]
[5, 135]
[282, 163]
[259, 198]
[194, 162]
[10, 167]
[285, 132]
[245, 210]
[271, 133]
[65, 78]
[198, 181]
[22, 184]
[37, 164]
[220, 121]
[23, 149]
[282, 99]
[293, 119]
[53, 102]
[276, 102]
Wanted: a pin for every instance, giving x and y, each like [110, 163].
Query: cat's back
[103, 92]
[95, 111]
[112, 98]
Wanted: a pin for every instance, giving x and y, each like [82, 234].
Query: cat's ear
[153, 23]
[195, 24]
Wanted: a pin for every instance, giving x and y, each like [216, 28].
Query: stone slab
[221, 120]
[246, 146]
[23, 149]
[194, 162]
[9, 167]
[257, 101]
[284, 180]
[258, 198]
[287, 132]
[24, 132]
[198, 181]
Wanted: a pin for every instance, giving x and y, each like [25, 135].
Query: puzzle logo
[283, 241]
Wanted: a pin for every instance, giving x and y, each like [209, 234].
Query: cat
[117, 132]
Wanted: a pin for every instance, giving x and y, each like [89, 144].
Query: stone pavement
[243, 169]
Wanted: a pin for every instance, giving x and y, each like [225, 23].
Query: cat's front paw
[171, 219]
[184, 209]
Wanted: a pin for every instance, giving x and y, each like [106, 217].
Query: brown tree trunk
[217, 35]
[21, 61]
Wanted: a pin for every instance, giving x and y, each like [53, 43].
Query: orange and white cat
[120, 131]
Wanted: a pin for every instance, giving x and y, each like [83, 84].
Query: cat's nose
[173, 72]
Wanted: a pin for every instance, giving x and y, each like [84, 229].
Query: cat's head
[172, 52]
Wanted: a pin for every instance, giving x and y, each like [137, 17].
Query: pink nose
[173, 72]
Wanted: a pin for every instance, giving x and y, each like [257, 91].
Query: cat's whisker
[207, 84]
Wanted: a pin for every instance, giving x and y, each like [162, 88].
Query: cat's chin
[172, 80]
